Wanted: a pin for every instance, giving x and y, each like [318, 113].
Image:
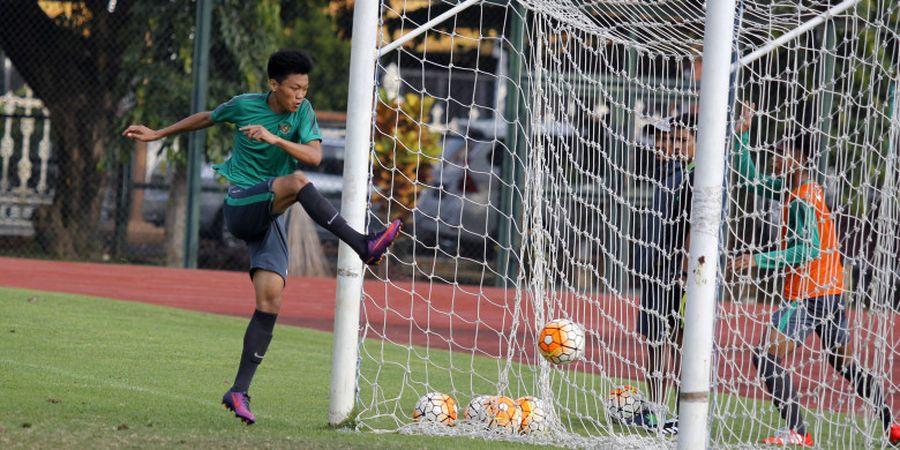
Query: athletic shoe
[790, 437]
[644, 419]
[647, 420]
[378, 243]
[670, 427]
[239, 402]
[894, 434]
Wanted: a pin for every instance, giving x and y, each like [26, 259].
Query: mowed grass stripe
[81, 372]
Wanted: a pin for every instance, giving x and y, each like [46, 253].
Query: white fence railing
[25, 153]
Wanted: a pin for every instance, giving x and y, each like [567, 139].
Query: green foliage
[874, 67]
[249, 32]
[159, 65]
[405, 150]
[863, 61]
[243, 36]
[315, 30]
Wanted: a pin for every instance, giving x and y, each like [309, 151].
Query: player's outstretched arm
[803, 242]
[764, 185]
[190, 123]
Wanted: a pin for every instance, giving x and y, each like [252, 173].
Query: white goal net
[540, 155]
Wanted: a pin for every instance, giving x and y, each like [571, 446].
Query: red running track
[420, 314]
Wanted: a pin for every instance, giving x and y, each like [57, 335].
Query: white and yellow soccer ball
[624, 402]
[561, 341]
[435, 407]
[534, 415]
[476, 410]
[503, 413]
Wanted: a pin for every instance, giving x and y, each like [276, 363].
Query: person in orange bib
[813, 288]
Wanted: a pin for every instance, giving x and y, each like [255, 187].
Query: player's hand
[743, 124]
[743, 262]
[259, 133]
[141, 133]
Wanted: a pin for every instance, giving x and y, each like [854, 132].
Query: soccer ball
[534, 415]
[624, 402]
[504, 413]
[561, 341]
[476, 411]
[435, 407]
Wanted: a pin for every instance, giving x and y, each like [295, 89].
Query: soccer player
[277, 129]
[661, 258]
[813, 288]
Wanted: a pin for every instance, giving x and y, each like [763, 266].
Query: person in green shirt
[277, 131]
[812, 299]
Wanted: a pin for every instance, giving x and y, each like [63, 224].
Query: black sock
[323, 213]
[778, 383]
[867, 388]
[256, 341]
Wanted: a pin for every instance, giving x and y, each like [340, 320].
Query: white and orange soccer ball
[534, 415]
[504, 413]
[561, 341]
[435, 407]
[476, 410]
[624, 402]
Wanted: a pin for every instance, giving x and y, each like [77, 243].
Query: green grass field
[81, 372]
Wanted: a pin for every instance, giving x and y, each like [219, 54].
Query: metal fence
[25, 156]
[73, 188]
[76, 74]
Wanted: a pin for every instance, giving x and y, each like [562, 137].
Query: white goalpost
[587, 162]
[353, 207]
[705, 219]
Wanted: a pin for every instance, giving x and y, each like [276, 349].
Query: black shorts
[248, 216]
[660, 312]
[824, 315]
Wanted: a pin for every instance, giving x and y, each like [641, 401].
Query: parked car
[327, 178]
[460, 207]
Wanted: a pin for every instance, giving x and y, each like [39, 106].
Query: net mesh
[540, 156]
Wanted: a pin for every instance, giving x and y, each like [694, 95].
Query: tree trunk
[69, 228]
[77, 76]
[176, 217]
[304, 248]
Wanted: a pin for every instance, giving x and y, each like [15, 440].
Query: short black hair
[686, 120]
[289, 61]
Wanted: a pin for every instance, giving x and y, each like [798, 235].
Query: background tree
[405, 152]
[73, 64]
[244, 34]
[97, 68]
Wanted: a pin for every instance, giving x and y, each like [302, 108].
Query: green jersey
[251, 161]
[801, 232]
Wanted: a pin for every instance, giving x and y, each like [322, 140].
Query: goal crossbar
[787, 37]
[425, 27]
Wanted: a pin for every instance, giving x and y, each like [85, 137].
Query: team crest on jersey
[284, 127]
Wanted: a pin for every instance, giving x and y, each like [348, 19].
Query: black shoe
[670, 427]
